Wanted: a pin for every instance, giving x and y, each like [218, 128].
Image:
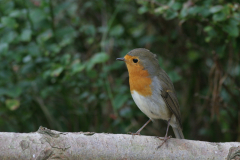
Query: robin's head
[141, 59]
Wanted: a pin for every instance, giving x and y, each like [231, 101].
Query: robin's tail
[178, 133]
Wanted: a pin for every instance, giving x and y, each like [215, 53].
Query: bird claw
[133, 134]
[164, 140]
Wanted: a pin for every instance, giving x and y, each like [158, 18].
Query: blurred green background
[58, 68]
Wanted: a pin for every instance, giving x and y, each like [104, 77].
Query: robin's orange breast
[139, 80]
[140, 84]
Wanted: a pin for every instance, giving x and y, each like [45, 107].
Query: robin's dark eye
[135, 60]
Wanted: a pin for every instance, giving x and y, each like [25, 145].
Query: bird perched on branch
[152, 90]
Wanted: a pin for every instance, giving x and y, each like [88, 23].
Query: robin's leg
[166, 137]
[138, 132]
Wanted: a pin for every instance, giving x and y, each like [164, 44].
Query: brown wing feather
[169, 96]
[172, 104]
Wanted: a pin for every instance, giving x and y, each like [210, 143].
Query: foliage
[58, 64]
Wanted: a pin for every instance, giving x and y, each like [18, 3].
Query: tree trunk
[48, 144]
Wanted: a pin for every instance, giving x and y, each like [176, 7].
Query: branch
[48, 144]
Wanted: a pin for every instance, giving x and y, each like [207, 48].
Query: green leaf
[126, 112]
[221, 50]
[92, 73]
[54, 48]
[17, 13]
[90, 40]
[56, 72]
[194, 10]
[117, 30]
[65, 41]
[26, 35]
[77, 66]
[13, 92]
[37, 15]
[12, 104]
[9, 37]
[9, 22]
[204, 11]
[193, 55]
[233, 22]
[184, 12]
[208, 39]
[215, 9]
[219, 17]
[232, 30]
[142, 10]
[3, 48]
[27, 59]
[161, 9]
[44, 36]
[176, 6]
[119, 100]
[65, 59]
[236, 16]
[208, 28]
[67, 32]
[88, 30]
[211, 33]
[169, 14]
[174, 76]
[33, 49]
[97, 58]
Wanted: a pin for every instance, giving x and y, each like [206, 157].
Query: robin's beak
[120, 59]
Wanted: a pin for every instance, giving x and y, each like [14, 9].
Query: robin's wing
[169, 96]
[172, 103]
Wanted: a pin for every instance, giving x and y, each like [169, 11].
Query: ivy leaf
[3, 48]
[174, 76]
[56, 72]
[216, 9]
[12, 104]
[232, 30]
[170, 14]
[97, 58]
[219, 17]
[77, 66]
[119, 100]
[142, 10]
[117, 30]
[9, 22]
[26, 35]
[37, 15]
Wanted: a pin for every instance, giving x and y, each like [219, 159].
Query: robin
[152, 90]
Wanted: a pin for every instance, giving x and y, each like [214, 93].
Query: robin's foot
[133, 134]
[164, 140]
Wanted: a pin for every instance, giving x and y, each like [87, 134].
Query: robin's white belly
[153, 108]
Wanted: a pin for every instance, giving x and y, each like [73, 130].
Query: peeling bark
[47, 144]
